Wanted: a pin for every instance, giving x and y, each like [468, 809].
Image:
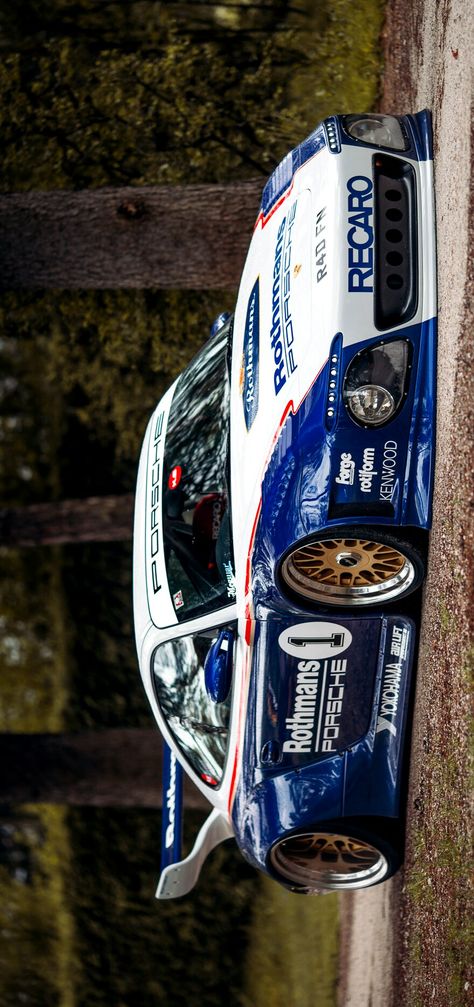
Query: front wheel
[348, 567]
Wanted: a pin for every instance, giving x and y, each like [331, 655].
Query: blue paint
[282, 177]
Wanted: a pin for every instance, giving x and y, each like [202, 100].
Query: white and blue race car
[282, 512]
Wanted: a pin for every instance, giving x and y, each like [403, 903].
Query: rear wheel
[333, 859]
[352, 568]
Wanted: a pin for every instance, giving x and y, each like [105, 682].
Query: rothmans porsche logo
[250, 360]
[314, 724]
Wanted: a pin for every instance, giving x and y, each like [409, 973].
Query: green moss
[292, 959]
[37, 960]
[343, 61]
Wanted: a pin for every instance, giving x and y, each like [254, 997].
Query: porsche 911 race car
[282, 511]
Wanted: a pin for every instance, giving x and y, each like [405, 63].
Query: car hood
[278, 346]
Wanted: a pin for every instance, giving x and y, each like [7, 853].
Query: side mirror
[218, 667]
[219, 323]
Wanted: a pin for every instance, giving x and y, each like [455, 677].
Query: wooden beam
[190, 236]
[92, 519]
[108, 768]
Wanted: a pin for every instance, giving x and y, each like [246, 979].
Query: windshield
[196, 507]
[199, 724]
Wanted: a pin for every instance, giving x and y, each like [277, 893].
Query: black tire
[351, 567]
[344, 855]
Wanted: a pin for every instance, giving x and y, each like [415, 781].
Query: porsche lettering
[155, 502]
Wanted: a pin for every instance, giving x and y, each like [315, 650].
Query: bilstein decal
[315, 640]
[251, 356]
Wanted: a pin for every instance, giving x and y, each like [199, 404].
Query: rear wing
[178, 876]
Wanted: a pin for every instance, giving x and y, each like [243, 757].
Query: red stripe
[264, 220]
[248, 612]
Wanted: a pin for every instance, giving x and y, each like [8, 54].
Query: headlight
[378, 130]
[371, 404]
[375, 383]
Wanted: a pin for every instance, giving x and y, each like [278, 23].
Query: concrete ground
[405, 943]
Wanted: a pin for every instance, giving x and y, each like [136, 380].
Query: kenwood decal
[389, 470]
[251, 356]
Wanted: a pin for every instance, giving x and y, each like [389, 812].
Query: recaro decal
[360, 234]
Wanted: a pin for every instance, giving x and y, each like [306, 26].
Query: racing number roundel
[315, 640]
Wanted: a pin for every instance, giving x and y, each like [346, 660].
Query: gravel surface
[406, 944]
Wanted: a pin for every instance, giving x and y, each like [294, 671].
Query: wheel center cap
[347, 559]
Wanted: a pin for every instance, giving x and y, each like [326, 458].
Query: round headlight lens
[371, 404]
[376, 382]
[378, 130]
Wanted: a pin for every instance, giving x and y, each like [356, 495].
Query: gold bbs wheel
[346, 570]
[320, 861]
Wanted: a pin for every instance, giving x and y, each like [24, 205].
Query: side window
[196, 498]
[198, 723]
